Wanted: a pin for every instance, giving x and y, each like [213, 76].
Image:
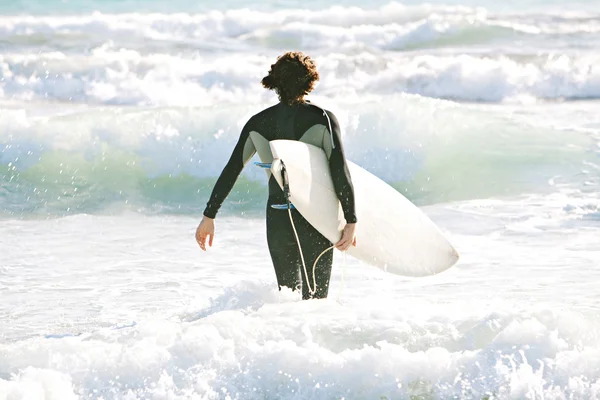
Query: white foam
[516, 318]
[489, 78]
[236, 23]
[230, 23]
[111, 76]
[322, 350]
[38, 384]
[220, 56]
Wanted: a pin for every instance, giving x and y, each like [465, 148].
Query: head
[293, 76]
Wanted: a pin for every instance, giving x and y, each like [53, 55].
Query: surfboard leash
[286, 193]
[343, 278]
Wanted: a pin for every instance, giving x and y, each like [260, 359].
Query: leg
[286, 255]
[283, 249]
[313, 244]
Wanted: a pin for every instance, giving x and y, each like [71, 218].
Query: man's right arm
[242, 153]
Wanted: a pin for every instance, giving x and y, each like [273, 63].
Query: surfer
[292, 77]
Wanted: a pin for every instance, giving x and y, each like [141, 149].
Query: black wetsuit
[307, 123]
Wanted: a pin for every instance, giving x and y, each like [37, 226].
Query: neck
[300, 101]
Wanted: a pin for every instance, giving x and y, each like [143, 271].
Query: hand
[348, 238]
[204, 230]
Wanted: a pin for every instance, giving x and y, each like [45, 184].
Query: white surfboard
[392, 233]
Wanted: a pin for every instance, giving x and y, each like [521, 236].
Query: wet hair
[293, 76]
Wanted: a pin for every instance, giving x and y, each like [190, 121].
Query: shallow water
[125, 306]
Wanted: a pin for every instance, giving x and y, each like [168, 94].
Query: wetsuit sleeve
[340, 174]
[242, 153]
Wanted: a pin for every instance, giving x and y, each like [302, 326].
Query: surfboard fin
[263, 165]
[282, 206]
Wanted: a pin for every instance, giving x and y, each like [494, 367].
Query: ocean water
[116, 118]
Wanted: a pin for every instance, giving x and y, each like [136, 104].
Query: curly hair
[293, 76]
